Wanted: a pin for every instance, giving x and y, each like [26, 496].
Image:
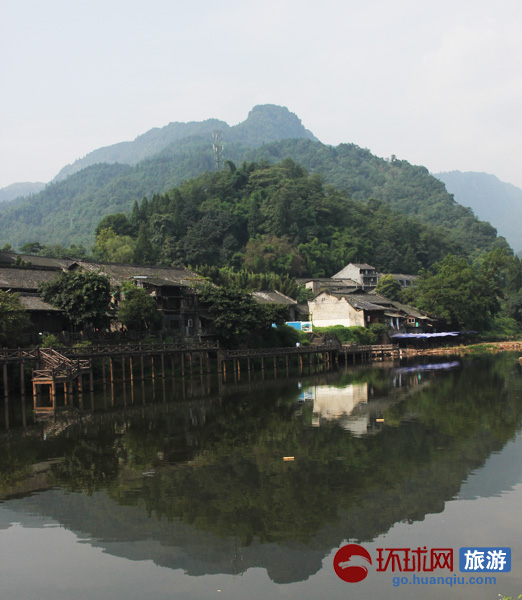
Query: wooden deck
[58, 370]
[64, 368]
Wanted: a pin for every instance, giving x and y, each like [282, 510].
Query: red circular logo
[347, 563]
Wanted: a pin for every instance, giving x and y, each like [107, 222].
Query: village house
[360, 309]
[25, 281]
[364, 275]
[321, 284]
[341, 308]
[173, 289]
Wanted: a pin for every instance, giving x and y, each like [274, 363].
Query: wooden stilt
[6, 396]
[153, 378]
[111, 365]
[124, 381]
[131, 379]
[91, 388]
[22, 389]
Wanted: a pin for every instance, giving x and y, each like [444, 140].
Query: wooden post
[182, 364]
[111, 368]
[163, 366]
[275, 366]
[53, 393]
[6, 396]
[80, 390]
[131, 379]
[91, 388]
[22, 400]
[190, 364]
[124, 381]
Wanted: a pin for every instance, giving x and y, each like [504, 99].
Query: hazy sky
[435, 83]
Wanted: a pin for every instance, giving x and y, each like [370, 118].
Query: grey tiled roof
[24, 278]
[35, 303]
[118, 273]
[59, 264]
[273, 298]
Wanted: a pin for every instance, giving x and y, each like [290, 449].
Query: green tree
[235, 313]
[457, 292]
[138, 309]
[31, 248]
[143, 251]
[13, 319]
[114, 248]
[85, 297]
[389, 287]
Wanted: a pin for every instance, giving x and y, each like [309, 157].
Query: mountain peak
[270, 123]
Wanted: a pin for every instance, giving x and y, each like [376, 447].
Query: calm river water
[249, 491]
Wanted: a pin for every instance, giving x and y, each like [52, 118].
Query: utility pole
[217, 145]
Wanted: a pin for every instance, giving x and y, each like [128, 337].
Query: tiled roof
[24, 278]
[273, 298]
[359, 301]
[35, 303]
[161, 276]
[9, 259]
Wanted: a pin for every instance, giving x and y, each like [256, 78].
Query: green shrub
[360, 335]
[49, 340]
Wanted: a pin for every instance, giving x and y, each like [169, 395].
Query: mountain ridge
[490, 198]
[75, 204]
[253, 131]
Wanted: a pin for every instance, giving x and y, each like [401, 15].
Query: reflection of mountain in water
[236, 504]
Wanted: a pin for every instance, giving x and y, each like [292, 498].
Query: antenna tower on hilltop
[217, 145]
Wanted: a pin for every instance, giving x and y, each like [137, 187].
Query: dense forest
[75, 205]
[269, 219]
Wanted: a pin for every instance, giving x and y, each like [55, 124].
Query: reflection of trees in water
[239, 484]
[338, 487]
[89, 466]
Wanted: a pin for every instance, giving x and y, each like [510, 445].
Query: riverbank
[494, 347]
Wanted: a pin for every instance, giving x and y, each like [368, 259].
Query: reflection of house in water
[333, 403]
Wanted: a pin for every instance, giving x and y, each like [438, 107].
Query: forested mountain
[490, 199]
[264, 123]
[17, 190]
[406, 188]
[69, 210]
[269, 219]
